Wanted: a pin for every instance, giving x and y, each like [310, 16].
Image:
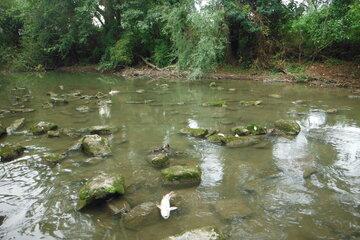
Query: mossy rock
[52, 159]
[288, 127]
[10, 152]
[42, 128]
[218, 103]
[96, 146]
[16, 125]
[2, 131]
[181, 176]
[250, 103]
[99, 189]
[255, 129]
[204, 233]
[240, 131]
[160, 160]
[243, 141]
[143, 214]
[195, 132]
[53, 134]
[217, 139]
[101, 130]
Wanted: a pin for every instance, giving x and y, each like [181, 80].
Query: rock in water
[10, 152]
[252, 129]
[53, 134]
[244, 141]
[83, 109]
[143, 214]
[160, 160]
[288, 127]
[118, 207]
[17, 124]
[181, 176]
[42, 128]
[100, 188]
[2, 131]
[95, 146]
[101, 130]
[195, 132]
[52, 159]
[58, 101]
[205, 233]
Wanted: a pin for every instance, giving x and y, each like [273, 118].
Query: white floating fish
[114, 92]
[164, 206]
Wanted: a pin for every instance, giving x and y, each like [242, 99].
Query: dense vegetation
[195, 36]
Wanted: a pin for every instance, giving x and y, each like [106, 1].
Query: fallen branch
[150, 64]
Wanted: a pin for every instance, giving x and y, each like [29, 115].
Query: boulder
[232, 208]
[17, 124]
[250, 103]
[243, 141]
[205, 233]
[160, 160]
[42, 128]
[2, 131]
[52, 159]
[58, 101]
[195, 132]
[143, 214]
[288, 127]
[181, 176]
[53, 134]
[118, 206]
[9, 152]
[96, 146]
[99, 189]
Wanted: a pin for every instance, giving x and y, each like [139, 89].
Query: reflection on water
[306, 187]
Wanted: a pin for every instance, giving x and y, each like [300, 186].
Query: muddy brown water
[273, 178]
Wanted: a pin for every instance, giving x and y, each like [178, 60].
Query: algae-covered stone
[205, 233]
[250, 103]
[160, 160]
[52, 159]
[181, 176]
[16, 125]
[101, 130]
[217, 139]
[100, 188]
[118, 206]
[288, 127]
[58, 101]
[232, 208]
[143, 214]
[42, 128]
[255, 129]
[195, 132]
[10, 152]
[95, 146]
[240, 131]
[2, 131]
[243, 141]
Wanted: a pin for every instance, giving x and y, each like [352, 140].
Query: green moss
[244, 141]
[10, 152]
[255, 129]
[240, 130]
[42, 128]
[195, 132]
[289, 127]
[217, 139]
[160, 160]
[182, 174]
[52, 158]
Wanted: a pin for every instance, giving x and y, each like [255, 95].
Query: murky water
[272, 178]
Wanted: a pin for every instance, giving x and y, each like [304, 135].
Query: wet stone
[205, 233]
[52, 159]
[42, 128]
[58, 101]
[289, 127]
[232, 208]
[181, 176]
[194, 132]
[99, 189]
[96, 146]
[53, 134]
[118, 207]
[243, 141]
[101, 130]
[16, 125]
[143, 214]
[160, 160]
[9, 152]
[331, 111]
[83, 109]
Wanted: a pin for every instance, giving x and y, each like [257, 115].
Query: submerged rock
[83, 109]
[71, 132]
[58, 101]
[53, 134]
[243, 141]
[100, 130]
[250, 103]
[42, 128]
[217, 139]
[2, 131]
[160, 160]
[289, 127]
[22, 110]
[181, 176]
[118, 207]
[205, 233]
[95, 146]
[252, 129]
[52, 159]
[100, 188]
[232, 208]
[195, 132]
[212, 84]
[9, 152]
[143, 214]
[16, 125]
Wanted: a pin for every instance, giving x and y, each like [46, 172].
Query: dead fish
[114, 92]
[165, 207]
